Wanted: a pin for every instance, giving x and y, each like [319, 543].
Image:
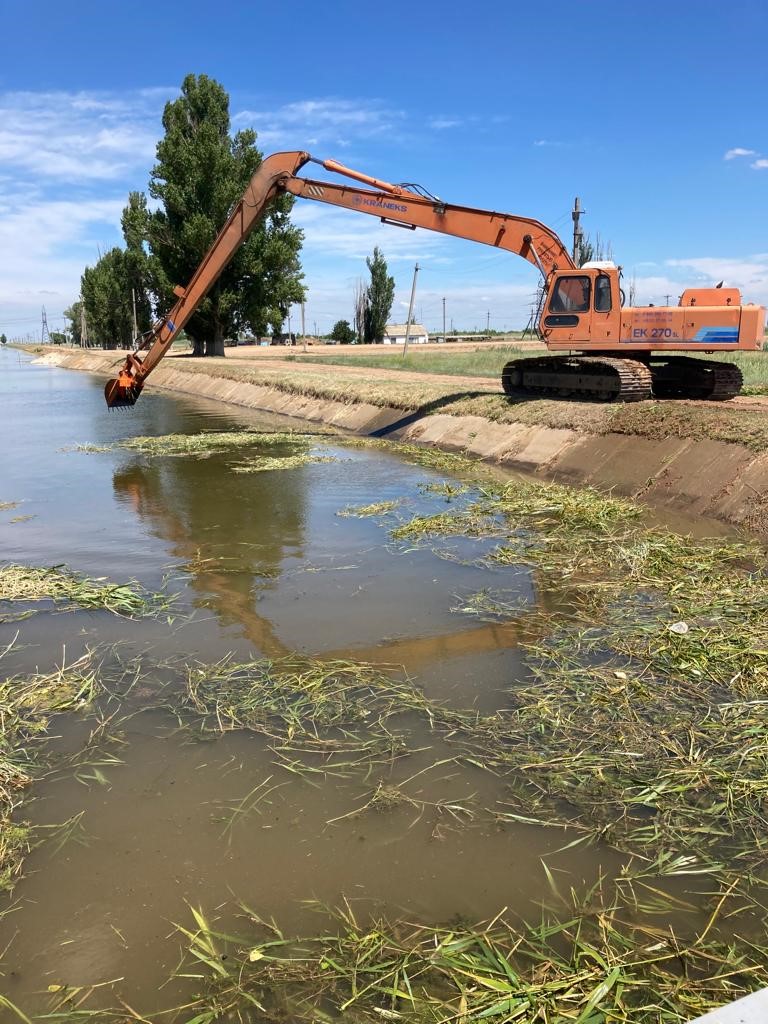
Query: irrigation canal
[143, 814]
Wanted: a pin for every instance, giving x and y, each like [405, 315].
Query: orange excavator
[608, 352]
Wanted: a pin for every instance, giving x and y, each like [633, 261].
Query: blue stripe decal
[717, 335]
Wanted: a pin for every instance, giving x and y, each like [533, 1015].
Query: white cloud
[759, 165]
[738, 151]
[331, 232]
[749, 274]
[68, 161]
[330, 299]
[77, 136]
[44, 247]
[326, 121]
[441, 124]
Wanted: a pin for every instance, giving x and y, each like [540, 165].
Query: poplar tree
[379, 298]
[200, 173]
[107, 301]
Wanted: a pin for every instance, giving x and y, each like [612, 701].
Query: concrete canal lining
[707, 477]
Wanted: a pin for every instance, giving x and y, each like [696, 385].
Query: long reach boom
[607, 352]
[394, 204]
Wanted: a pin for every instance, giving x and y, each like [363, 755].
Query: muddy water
[263, 566]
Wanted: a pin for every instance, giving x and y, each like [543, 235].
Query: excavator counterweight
[607, 352]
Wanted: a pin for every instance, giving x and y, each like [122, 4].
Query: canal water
[262, 566]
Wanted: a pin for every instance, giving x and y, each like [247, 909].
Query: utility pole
[666, 300]
[289, 342]
[135, 325]
[444, 318]
[303, 332]
[578, 234]
[83, 327]
[530, 327]
[410, 311]
[488, 322]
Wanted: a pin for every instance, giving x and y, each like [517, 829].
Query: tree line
[200, 173]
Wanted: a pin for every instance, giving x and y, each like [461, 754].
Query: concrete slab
[635, 463]
[746, 500]
[703, 475]
[580, 460]
[543, 446]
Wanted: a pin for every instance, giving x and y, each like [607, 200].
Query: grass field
[488, 362]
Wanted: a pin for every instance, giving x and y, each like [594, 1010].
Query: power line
[44, 332]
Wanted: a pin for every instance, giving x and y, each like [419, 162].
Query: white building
[394, 334]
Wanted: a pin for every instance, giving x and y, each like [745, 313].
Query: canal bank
[703, 458]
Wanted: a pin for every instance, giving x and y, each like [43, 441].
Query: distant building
[394, 334]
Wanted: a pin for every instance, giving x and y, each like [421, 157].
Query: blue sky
[653, 113]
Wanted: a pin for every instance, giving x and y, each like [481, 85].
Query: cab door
[568, 312]
[606, 308]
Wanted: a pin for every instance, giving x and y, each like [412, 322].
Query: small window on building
[571, 295]
[603, 294]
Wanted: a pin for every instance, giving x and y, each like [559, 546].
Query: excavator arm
[393, 204]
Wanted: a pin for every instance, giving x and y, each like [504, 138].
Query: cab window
[603, 294]
[571, 295]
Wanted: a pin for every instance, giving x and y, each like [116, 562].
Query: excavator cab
[582, 305]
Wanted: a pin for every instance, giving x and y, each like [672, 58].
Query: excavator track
[687, 377]
[606, 379]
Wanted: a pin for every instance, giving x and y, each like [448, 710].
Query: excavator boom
[528, 238]
[393, 204]
[609, 352]
[126, 387]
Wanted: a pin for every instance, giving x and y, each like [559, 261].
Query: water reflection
[249, 544]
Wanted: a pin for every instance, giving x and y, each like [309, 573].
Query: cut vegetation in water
[265, 464]
[585, 961]
[646, 721]
[27, 704]
[415, 741]
[28, 584]
[265, 451]
[199, 445]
